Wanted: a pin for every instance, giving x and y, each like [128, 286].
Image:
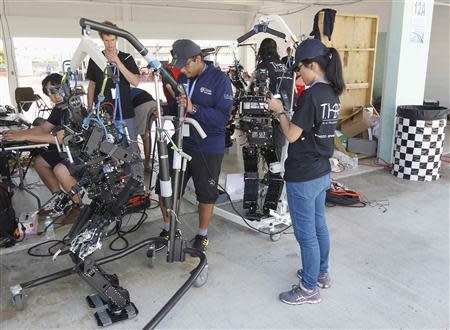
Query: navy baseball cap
[182, 50]
[310, 48]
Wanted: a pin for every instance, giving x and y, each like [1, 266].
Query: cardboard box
[234, 185]
[362, 146]
[358, 122]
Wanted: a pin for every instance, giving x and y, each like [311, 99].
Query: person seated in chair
[49, 164]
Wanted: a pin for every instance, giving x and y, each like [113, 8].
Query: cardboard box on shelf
[358, 122]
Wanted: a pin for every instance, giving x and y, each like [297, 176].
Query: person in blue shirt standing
[209, 100]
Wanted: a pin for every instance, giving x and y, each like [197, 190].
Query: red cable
[345, 193]
[108, 104]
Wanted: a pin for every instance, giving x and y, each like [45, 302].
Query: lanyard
[315, 82]
[190, 89]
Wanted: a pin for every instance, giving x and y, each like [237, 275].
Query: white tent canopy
[194, 19]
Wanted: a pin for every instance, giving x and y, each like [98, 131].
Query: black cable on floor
[245, 220]
[156, 206]
[121, 233]
[49, 252]
[236, 211]
[116, 230]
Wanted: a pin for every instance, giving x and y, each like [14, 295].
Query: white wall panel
[438, 74]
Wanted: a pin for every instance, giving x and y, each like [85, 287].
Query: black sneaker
[200, 242]
[164, 234]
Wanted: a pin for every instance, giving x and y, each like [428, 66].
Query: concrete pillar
[406, 64]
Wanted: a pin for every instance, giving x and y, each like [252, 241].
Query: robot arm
[262, 25]
[261, 28]
[87, 47]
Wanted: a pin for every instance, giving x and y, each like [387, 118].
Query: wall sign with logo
[418, 22]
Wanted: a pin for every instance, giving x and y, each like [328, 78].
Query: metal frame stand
[17, 152]
[112, 301]
[88, 270]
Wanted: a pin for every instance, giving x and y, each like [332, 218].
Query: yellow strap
[64, 78]
[103, 86]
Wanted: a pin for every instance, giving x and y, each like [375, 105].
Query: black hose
[47, 278]
[108, 29]
[181, 291]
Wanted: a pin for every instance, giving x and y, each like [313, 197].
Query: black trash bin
[419, 139]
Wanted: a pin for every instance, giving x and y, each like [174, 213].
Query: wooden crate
[355, 38]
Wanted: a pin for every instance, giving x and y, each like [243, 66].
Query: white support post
[406, 64]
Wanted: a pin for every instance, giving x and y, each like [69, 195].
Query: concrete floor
[389, 265]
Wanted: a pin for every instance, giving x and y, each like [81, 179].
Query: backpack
[9, 231]
[340, 195]
[342, 198]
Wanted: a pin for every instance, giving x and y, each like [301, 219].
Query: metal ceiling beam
[212, 6]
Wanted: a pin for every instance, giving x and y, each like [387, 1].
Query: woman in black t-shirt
[310, 133]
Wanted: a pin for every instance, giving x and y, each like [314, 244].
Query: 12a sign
[418, 22]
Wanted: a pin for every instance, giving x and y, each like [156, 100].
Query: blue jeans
[307, 208]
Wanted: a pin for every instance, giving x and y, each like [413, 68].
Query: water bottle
[48, 227]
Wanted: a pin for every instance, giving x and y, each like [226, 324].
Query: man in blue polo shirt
[209, 100]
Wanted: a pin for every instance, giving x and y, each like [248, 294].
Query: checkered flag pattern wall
[418, 148]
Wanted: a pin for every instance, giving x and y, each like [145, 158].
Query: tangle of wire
[116, 230]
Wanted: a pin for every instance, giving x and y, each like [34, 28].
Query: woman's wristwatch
[194, 109]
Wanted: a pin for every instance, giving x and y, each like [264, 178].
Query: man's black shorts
[204, 168]
[52, 157]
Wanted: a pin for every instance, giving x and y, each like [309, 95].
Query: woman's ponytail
[334, 72]
[331, 65]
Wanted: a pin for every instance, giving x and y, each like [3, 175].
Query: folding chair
[25, 97]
